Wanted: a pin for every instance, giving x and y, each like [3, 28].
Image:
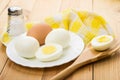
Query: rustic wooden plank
[50, 72]
[3, 5]
[82, 5]
[108, 69]
[45, 8]
[13, 71]
[3, 57]
[84, 73]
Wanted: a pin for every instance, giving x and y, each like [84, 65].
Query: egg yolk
[48, 49]
[103, 39]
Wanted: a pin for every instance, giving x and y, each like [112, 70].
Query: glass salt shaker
[16, 24]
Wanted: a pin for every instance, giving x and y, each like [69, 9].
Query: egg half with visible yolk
[102, 42]
[49, 52]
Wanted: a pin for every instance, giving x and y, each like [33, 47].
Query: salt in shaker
[16, 24]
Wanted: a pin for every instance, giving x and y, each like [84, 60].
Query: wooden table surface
[37, 10]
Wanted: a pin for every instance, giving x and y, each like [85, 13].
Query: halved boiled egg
[102, 42]
[49, 52]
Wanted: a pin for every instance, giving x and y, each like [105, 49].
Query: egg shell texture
[39, 31]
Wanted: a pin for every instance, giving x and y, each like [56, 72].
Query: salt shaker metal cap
[14, 11]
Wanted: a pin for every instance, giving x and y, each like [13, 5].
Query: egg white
[59, 36]
[100, 46]
[40, 55]
[26, 46]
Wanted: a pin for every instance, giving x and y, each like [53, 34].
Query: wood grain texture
[3, 20]
[3, 57]
[13, 71]
[85, 5]
[3, 15]
[44, 8]
[108, 69]
[3, 5]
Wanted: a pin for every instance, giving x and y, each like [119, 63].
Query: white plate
[73, 51]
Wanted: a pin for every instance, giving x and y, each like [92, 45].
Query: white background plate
[73, 51]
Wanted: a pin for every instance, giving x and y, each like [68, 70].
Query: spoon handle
[69, 70]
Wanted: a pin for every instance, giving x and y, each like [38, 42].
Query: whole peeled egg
[102, 42]
[59, 36]
[26, 46]
[39, 31]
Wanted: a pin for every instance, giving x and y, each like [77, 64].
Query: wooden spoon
[88, 55]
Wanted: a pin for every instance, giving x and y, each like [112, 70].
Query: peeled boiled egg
[49, 52]
[102, 42]
[59, 36]
[39, 31]
[26, 46]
